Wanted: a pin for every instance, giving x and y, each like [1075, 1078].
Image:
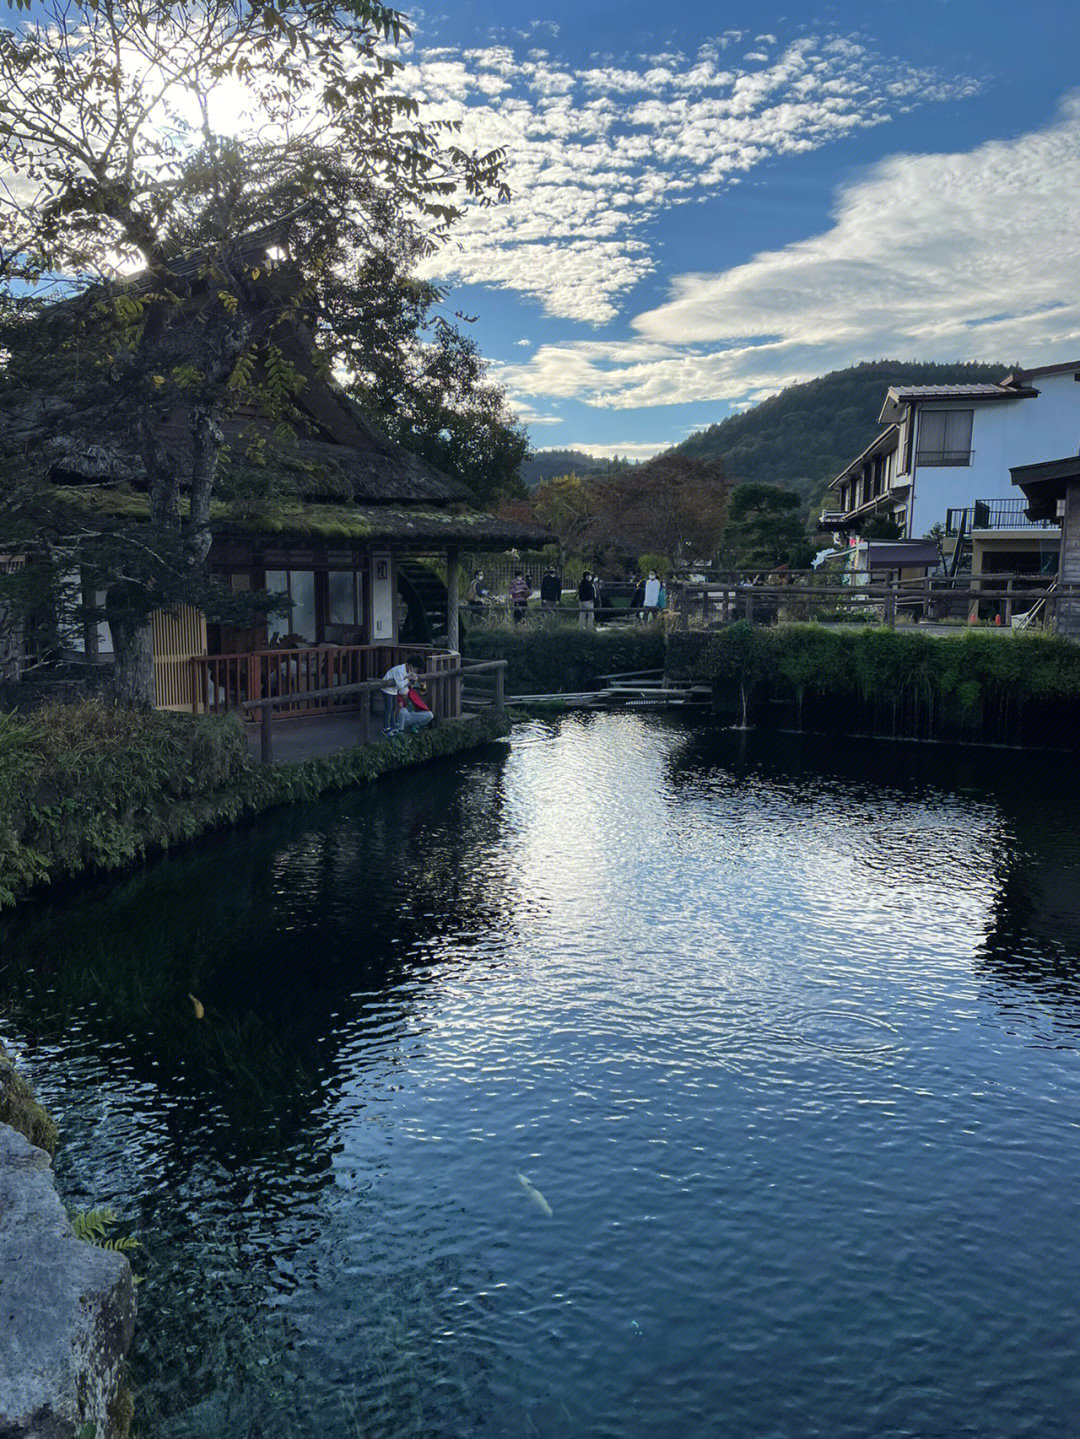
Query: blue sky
[711, 202]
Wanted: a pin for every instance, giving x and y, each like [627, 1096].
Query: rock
[67, 1310]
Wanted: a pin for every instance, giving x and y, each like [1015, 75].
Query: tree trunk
[10, 643]
[207, 440]
[133, 645]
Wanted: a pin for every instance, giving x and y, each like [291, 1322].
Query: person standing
[637, 600]
[476, 595]
[519, 597]
[586, 597]
[652, 594]
[550, 590]
[397, 682]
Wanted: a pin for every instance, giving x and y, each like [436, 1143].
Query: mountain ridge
[804, 436]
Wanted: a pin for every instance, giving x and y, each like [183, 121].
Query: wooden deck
[316, 736]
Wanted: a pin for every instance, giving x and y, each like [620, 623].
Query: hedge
[565, 660]
[1008, 688]
[92, 787]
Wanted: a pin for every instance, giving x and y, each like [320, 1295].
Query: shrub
[561, 659]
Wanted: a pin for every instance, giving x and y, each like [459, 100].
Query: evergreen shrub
[562, 659]
[1006, 688]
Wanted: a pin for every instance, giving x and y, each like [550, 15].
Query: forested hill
[804, 436]
[546, 464]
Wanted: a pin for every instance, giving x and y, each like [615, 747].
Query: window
[944, 437]
[345, 597]
[299, 585]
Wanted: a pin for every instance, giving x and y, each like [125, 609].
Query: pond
[637, 1080]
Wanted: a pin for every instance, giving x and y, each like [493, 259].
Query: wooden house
[341, 520]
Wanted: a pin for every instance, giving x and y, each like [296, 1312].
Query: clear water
[785, 1035]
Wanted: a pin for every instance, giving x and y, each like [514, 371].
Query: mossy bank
[88, 788]
[987, 688]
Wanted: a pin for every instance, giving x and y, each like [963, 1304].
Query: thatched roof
[336, 454]
[340, 477]
[405, 526]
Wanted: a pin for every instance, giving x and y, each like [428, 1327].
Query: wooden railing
[970, 598]
[442, 685]
[315, 680]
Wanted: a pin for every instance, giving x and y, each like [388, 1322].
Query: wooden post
[749, 606]
[500, 688]
[365, 716]
[453, 601]
[1007, 616]
[266, 750]
[890, 608]
[684, 608]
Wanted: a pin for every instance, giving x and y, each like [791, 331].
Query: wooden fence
[1009, 600]
[314, 680]
[443, 689]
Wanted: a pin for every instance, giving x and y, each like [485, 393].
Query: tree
[880, 527]
[673, 504]
[204, 146]
[764, 528]
[567, 505]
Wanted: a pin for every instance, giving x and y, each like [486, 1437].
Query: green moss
[20, 1109]
[284, 516]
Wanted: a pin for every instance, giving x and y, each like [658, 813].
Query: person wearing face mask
[652, 594]
[586, 595]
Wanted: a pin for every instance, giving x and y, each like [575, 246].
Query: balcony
[1010, 514]
[832, 519]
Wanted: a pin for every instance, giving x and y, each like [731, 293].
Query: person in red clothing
[415, 712]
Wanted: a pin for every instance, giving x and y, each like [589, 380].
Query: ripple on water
[785, 1038]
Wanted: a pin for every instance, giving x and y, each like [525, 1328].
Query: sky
[711, 202]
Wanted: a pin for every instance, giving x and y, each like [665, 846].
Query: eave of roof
[408, 526]
[886, 441]
[1021, 377]
[897, 396]
[1044, 484]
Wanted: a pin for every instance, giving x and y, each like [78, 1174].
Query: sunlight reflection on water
[786, 1036]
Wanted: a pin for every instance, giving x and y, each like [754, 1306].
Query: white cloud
[596, 151]
[970, 255]
[642, 451]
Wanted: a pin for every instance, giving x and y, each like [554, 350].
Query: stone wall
[67, 1308]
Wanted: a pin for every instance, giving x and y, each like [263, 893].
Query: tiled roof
[898, 395]
[949, 392]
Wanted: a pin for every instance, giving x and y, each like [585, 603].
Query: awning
[1044, 484]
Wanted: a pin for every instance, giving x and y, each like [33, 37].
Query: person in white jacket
[397, 682]
[652, 593]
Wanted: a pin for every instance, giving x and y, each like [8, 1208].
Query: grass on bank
[91, 787]
[983, 686]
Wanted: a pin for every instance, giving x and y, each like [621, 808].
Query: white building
[945, 455]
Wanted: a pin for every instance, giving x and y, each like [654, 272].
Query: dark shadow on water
[285, 932]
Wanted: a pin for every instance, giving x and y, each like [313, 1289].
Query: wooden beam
[453, 602]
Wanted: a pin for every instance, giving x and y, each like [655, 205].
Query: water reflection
[783, 1031]
[288, 933]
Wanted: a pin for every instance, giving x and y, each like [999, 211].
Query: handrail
[267, 704]
[932, 594]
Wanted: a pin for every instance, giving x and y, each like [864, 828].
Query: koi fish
[199, 1011]
[536, 1197]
